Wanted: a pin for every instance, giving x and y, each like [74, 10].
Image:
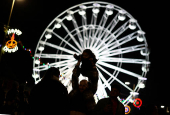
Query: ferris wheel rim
[72, 30]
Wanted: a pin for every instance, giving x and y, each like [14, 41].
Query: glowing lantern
[127, 109]
[137, 103]
[11, 45]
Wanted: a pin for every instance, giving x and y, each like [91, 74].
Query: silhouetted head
[52, 73]
[115, 91]
[83, 85]
[15, 85]
[87, 53]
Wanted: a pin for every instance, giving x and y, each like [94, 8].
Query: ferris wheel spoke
[85, 33]
[108, 29]
[66, 42]
[104, 80]
[54, 56]
[101, 24]
[123, 50]
[64, 69]
[123, 60]
[120, 30]
[121, 70]
[118, 42]
[57, 47]
[72, 37]
[104, 70]
[55, 64]
[77, 30]
[93, 22]
[100, 28]
[105, 17]
[116, 33]
[101, 89]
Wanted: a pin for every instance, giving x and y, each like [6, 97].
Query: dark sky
[33, 16]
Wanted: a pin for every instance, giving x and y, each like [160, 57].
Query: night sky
[33, 16]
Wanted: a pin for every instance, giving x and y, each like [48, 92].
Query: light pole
[10, 13]
[6, 29]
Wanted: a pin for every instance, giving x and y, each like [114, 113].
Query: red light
[137, 103]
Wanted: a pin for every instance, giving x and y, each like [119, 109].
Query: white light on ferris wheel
[132, 24]
[41, 48]
[141, 85]
[57, 25]
[109, 9]
[37, 61]
[122, 16]
[82, 10]
[35, 76]
[96, 8]
[140, 36]
[69, 17]
[48, 35]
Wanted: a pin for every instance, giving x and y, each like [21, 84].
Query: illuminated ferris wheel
[110, 32]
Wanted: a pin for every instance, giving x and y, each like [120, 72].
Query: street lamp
[10, 13]
[6, 27]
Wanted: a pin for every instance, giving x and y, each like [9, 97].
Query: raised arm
[75, 75]
[93, 78]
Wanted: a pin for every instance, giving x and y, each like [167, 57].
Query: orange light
[127, 109]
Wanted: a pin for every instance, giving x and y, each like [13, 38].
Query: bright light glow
[127, 109]
[41, 48]
[15, 31]
[95, 10]
[82, 12]
[145, 68]
[69, 17]
[121, 15]
[137, 102]
[37, 61]
[162, 106]
[35, 76]
[132, 24]
[127, 83]
[109, 6]
[141, 85]
[140, 36]
[144, 52]
[131, 100]
[109, 9]
[37, 81]
[109, 12]
[6, 49]
[134, 93]
[57, 25]
[48, 36]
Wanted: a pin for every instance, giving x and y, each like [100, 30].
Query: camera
[77, 57]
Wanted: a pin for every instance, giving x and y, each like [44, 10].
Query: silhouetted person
[81, 97]
[22, 104]
[2, 95]
[88, 61]
[111, 105]
[49, 96]
[12, 99]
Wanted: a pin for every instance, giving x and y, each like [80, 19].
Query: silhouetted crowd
[50, 96]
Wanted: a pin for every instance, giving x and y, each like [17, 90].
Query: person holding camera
[81, 97]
